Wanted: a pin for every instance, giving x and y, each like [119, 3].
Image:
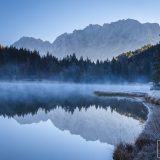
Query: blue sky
[46, 19]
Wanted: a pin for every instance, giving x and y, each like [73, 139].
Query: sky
[47, 19]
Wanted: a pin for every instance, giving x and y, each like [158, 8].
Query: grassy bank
[145, 147]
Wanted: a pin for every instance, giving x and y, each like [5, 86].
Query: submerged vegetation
[24, 64]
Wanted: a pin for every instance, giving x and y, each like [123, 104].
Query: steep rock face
[99, 42]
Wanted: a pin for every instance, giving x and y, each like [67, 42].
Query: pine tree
[156, 70]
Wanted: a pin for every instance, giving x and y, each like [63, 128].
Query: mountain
[91, 124]
[98, 42]
[34, 44]
[1, 46]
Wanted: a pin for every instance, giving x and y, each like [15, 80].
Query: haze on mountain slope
[97, 42]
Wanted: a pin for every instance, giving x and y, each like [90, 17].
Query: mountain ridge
[97, 41]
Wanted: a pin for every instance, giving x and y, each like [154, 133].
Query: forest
[22, 64]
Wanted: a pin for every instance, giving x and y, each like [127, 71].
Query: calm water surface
[46, 121]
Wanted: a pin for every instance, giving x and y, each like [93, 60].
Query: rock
[103, 41]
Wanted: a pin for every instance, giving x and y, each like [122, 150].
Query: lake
[46, 121]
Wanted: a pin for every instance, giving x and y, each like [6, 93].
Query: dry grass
[119, 94]
[145, 147]
[123, 152]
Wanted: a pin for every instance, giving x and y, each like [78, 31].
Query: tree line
[131, 66]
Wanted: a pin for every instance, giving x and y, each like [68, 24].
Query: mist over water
[44, 89]
[44, 118]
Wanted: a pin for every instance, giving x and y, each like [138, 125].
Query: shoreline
[145, 147]
[148, 98]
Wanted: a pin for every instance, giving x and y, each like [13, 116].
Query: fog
[27, 97]
[72, 106]
[23, 90]
[36, 111]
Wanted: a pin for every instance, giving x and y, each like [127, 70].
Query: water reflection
[109, 120]
[39, 110]
[92, 124]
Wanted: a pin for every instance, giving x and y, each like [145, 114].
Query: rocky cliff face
[98, 42]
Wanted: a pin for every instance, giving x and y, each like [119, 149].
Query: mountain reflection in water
[77, 110]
